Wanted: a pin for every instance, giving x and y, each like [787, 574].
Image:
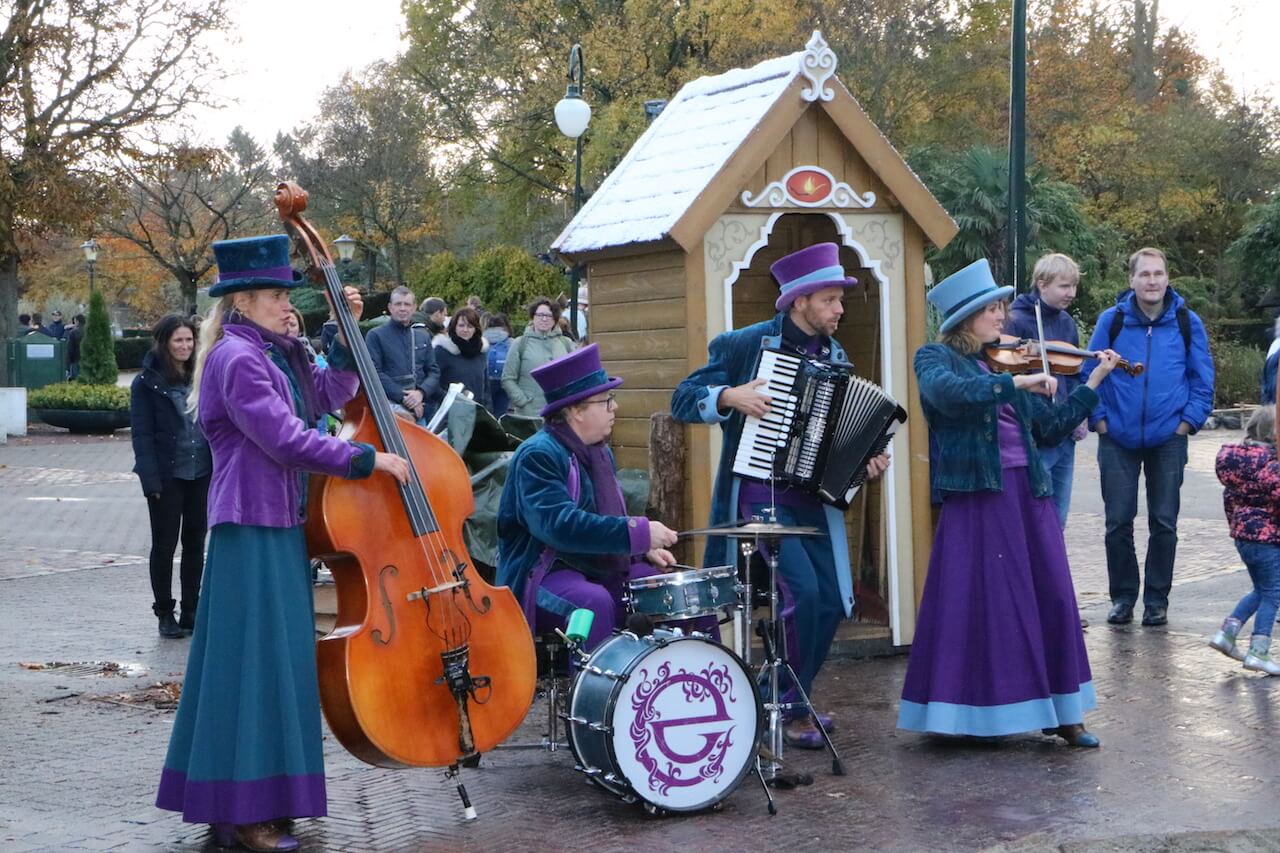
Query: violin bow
[1044, 353]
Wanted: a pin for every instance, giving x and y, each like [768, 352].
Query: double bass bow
[428, 665]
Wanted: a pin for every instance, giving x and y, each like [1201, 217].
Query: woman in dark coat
[462, 353]
[171, 458]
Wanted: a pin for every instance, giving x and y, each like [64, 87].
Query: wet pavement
[1189, 757]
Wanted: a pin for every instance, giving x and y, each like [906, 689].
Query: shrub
[131, 351]
[75, 395]
[97, 354]
[1237, 372]
[506, 278]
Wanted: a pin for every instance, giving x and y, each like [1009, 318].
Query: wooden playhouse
[737, 171]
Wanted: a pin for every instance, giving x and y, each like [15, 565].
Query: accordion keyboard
[763, 437]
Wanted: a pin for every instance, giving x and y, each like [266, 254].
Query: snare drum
[684, 594]
[670, 720]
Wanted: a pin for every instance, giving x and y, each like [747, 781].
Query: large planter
[85, 421]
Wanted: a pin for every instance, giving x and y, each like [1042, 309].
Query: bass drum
[670, 720]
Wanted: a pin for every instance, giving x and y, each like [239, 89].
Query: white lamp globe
[572, 115]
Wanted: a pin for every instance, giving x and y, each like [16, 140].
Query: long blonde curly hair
[210, 334]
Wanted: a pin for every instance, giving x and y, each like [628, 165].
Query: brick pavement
[1187, 737]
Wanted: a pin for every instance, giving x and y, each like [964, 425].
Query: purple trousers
[565, 590]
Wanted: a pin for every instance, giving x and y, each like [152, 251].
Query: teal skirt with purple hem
[246, 743]
[998, 647]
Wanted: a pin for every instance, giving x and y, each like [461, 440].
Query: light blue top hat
[966, 292]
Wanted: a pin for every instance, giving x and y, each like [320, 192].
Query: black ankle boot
[187, 621]
[168, 625]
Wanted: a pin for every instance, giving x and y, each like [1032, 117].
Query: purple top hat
[253, 263]
[807, 271]
[573, 378]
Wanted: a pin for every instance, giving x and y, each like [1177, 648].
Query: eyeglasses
[542, 316]
[610, 402]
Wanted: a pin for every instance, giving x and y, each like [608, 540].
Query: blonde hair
[1261, 425]
[210, 334]
[1052, 266]
[1150, 253]
[961, 338]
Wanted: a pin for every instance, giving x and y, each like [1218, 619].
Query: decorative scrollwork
[825, 192]
[818, 65]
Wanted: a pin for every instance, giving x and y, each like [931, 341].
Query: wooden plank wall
[753, 300]
[638, 318]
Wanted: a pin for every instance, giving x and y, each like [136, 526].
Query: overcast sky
[286, 52]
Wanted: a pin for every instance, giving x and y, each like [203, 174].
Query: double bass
[428, 664]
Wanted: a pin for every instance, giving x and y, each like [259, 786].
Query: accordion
[824, 424]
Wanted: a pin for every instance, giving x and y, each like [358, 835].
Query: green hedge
[130, 352]
[74, 395]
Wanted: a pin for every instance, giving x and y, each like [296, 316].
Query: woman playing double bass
[245, 752]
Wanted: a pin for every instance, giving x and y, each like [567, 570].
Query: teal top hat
[253, 263]
[964, 293]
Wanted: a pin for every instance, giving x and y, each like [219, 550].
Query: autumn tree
[368, 161]
[184, 197]
[78, 78]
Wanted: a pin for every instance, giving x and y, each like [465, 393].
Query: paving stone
[1188, 761]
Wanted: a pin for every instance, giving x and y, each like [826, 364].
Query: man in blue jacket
[1143, 423]
[814, 572]
[403, 357]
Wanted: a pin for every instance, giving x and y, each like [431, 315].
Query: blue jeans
[1262, 559]
[1119, 467]
[1060, 462]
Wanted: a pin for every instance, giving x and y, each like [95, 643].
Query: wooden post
[667, 454]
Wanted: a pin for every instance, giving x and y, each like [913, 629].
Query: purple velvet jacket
[258, 442]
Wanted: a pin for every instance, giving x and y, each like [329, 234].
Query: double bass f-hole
[377, 635]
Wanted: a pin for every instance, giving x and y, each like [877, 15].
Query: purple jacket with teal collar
[258, 441]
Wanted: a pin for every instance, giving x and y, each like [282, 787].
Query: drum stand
[772, 634]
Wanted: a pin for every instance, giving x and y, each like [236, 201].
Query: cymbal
[753, 529]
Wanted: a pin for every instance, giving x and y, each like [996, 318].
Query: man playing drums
[814, 574]
[564, 538]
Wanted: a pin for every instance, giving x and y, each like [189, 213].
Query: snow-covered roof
[679, 154]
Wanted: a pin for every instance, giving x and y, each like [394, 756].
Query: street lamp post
[346, 251]
[90, 249]
[573, 114]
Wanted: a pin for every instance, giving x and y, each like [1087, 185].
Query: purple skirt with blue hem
[246, 743]
[998, 646]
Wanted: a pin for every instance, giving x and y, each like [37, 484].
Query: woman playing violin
[998, 648]
[245, 752]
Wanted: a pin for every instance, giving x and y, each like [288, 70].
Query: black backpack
[1184, 326]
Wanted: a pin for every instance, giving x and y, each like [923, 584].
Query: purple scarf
[597, 463]
[295, 355]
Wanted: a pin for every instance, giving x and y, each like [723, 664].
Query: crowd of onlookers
[423, 349]
[72, 333]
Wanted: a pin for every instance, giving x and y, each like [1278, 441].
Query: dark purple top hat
[573, 378]
[253, 263]
[807, 271]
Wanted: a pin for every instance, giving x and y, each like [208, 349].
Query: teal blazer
[961, 402]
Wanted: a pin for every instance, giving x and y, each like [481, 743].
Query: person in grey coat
[462, 353]
[541, 342]
[403, 357]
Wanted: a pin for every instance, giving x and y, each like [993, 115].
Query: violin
[1012, 354]
[428, 665]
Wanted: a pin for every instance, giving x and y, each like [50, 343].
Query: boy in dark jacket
[1054, 281]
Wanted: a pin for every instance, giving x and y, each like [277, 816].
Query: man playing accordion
[814, 574]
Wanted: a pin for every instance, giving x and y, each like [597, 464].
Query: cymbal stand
[772, 633]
